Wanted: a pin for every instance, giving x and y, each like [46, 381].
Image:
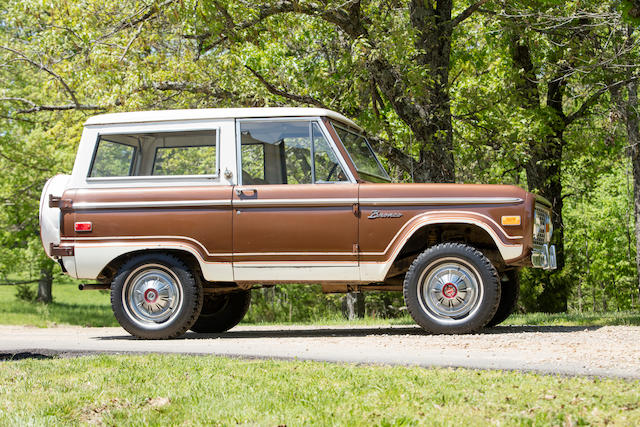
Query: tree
[495, 91]
[398, 53]
[559, 63]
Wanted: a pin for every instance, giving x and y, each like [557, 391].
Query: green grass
[93, 308]
[70, 307]
[171, 389]
[627, 318]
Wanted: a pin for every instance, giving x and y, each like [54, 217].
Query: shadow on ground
[24, 355]
[311, 332]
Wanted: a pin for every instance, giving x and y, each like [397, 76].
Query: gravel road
[612, 351]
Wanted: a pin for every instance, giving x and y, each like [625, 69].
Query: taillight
[83, 226]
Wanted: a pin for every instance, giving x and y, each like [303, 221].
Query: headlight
[542, 226]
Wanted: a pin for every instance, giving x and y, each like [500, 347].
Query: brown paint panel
[209, 226]
[263, 230]
[377, 234]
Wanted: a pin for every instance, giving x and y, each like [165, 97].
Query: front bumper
[544, 257]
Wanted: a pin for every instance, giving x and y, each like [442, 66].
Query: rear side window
[112, 159]
[192, 153]
[185, 160]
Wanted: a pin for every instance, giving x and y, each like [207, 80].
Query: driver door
[293, 211]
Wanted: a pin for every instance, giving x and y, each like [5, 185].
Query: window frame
[332, 145]
[375, 156]
[145, 178]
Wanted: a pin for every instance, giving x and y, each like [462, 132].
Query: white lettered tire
[451, 288]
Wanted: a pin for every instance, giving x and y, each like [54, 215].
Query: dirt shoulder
[600, 351]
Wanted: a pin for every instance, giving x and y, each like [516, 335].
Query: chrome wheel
[449, 290]
[153, 296]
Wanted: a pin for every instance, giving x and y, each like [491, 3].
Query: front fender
[510, 247]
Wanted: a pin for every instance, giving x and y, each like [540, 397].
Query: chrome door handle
[241, 191]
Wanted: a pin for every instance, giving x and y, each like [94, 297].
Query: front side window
[362, 155]
[287, 152]
[156, 154]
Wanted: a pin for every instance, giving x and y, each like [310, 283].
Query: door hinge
[356, 209]
[57, 250]
[59, 202]
[356, 248]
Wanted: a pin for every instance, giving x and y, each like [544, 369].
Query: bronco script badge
[377, 214]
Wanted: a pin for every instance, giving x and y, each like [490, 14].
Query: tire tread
[171, 261]
[414, 272]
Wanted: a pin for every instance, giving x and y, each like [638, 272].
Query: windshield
[362, 155]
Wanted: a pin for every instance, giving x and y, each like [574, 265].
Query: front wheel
[451, 288]
[155, 296]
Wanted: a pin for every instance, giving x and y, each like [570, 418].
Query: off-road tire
[510, 290]
[129, 281]
[222, 312]
[434, 266]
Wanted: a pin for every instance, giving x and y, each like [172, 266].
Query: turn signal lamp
[511, 220]
[83, 226]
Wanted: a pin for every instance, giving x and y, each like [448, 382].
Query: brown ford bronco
[180, 213]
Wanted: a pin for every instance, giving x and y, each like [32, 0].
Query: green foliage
[301, 303]
[94, 56]
[25, 292]
[601, 247]
[291, 304]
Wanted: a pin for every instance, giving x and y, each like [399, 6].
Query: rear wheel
[451, 288]
[222, 312]
[155, 296]
[510, 290]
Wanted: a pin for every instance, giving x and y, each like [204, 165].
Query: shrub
[25, 292]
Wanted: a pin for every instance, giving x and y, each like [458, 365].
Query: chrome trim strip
[150, 204]
[425, 218]
[294, 202]
[156, 240]
[407, 201]
[403, 201]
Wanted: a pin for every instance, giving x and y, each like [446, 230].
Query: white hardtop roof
[214, 113]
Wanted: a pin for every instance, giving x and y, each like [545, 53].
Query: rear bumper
[544, 257]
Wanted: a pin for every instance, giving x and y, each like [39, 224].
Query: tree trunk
[580, 295]
[44, 285]
[353, 305]
[544, 165]
[544, 177]
[429, 119]
[633, 139]
[426, 109]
